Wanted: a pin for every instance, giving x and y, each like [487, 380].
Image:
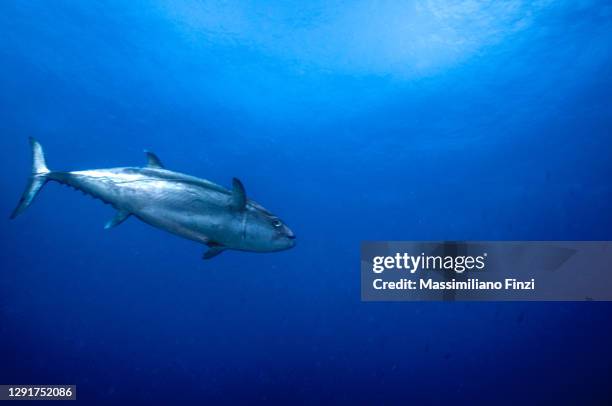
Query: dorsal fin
[239, 198]
[153, 161]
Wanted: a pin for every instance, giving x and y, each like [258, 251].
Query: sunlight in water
[403, 39]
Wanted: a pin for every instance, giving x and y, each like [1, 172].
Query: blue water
[350, 120]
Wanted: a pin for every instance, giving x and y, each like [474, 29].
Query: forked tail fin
[37, 179]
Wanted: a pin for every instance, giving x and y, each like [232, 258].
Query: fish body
[184, 205]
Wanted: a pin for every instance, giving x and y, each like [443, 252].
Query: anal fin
[119, 218]
[213, 251]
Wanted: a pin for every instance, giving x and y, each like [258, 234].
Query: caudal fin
[37, 179]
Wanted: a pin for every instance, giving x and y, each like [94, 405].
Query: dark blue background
[350, 120]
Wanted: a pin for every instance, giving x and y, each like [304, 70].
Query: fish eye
[276, 223]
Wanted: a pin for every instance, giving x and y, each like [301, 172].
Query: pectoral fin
[239, 198]
[119, 218]
[213, 251]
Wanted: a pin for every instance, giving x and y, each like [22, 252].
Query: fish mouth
[289, 233]
[291, 240]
